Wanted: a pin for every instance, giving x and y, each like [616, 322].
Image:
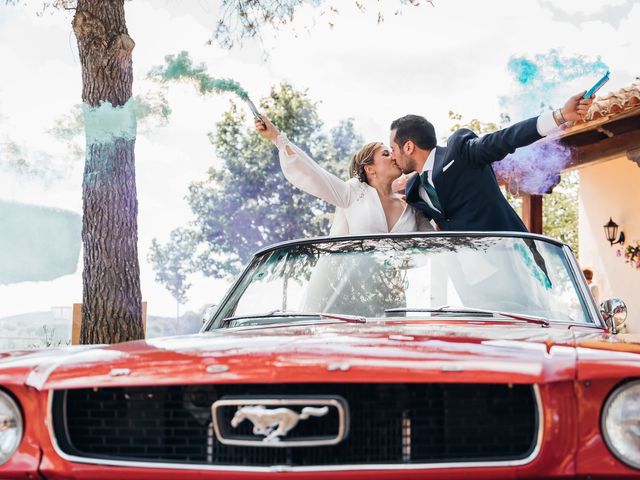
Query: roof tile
[614, 102]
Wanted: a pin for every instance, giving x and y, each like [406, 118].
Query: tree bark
[111, 310]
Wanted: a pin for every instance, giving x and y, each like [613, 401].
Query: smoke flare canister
[599, 84]
[255, 111]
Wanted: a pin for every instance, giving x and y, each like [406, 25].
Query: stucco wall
[611, 189]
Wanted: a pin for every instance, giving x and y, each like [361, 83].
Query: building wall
[611, 189]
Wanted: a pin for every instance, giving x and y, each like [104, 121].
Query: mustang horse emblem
[274, 423]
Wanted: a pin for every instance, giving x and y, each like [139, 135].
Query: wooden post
[77, 320]
[75, 326]
[532, 212]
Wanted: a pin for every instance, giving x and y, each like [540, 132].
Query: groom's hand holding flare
[267, 129]
[574, 109]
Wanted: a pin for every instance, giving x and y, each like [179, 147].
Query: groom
[456, 185]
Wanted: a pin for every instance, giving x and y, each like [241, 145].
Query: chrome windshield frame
[207, 326]
[372, 236]
[582, 289]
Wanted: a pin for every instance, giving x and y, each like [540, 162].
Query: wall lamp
[611, 231]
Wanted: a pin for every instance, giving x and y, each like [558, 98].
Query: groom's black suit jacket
[466, 185]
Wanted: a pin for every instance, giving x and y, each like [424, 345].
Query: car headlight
[10, 427]
[621, 423]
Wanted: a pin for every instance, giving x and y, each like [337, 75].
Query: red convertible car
[372, 357]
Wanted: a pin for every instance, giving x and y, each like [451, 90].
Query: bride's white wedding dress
[358, 206]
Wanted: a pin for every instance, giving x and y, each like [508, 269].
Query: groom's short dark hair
[417, 129]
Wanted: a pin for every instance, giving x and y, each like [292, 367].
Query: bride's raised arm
[303, 172]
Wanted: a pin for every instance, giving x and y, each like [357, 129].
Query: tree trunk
[111, 298]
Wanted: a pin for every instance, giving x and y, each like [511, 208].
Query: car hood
[387, 352]
[17, 363]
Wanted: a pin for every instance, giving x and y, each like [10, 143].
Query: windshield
[370, 276]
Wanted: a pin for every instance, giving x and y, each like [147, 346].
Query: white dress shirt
[358, 206]
[545, 125]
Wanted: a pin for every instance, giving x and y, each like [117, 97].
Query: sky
[451, 55]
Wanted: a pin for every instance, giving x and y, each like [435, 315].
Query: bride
[366, 202]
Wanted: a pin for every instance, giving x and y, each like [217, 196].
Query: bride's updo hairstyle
[363, 157]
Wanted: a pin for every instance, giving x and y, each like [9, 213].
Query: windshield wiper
[290, 313]
[447, 309]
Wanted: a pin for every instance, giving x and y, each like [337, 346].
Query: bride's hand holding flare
[267, 129]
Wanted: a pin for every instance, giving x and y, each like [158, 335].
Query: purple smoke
[541, 81]
[534, 169]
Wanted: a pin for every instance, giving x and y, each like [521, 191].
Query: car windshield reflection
[411, 277]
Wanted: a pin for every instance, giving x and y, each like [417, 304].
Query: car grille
[388, 424]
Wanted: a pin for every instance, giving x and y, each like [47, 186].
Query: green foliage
[476, 125]
[152, 110]
[50, 339]
[241, 19]
[173, 262]
[69, 126]
[560, 211]
[185, 324]
[631, 254]
[24, 165]
[344, 142]
[247, 203]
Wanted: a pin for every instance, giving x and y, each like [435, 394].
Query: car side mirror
[614, 312]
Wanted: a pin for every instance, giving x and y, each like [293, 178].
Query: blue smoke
[543, 82]
[524, 70]
[547, 80]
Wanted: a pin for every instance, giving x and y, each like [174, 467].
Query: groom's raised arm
[495, 146]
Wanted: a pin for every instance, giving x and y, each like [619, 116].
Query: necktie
[431, 192]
